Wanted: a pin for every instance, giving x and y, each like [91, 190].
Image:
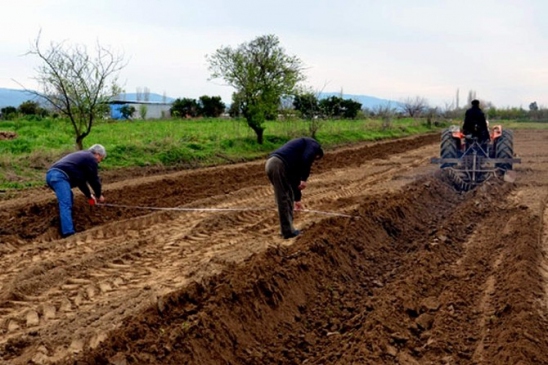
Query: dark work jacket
[475, 124]
[298, 155]
[81, 168]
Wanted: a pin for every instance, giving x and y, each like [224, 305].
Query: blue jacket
[298, 155]
[82, 169]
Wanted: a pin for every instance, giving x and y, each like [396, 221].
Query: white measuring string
[217, 209]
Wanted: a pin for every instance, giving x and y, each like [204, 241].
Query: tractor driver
[475, 123]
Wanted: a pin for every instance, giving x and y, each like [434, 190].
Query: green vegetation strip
[168, 143]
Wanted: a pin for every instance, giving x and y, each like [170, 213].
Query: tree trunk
[80, 142]
[259, 131]
[257, 128]
[260, 136]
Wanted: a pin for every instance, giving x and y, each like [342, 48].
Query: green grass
[513, 124]
[25, 159]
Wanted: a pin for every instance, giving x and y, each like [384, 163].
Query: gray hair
[98, 150]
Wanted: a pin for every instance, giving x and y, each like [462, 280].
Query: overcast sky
[391, 49]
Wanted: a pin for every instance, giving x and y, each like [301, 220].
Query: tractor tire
[448, 147]
[504, 148]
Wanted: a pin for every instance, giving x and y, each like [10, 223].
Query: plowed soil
[393, 267]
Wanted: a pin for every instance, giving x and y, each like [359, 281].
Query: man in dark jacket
[475, 123]
[288, 169]
[77, 169]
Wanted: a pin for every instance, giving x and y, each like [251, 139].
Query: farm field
[393, 267]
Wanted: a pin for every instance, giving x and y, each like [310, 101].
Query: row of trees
[310, 107]
[205, 106]
[306, 106]
[27, 108]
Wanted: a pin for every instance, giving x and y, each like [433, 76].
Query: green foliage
[16, 146]
[29, 108]
[171, 156]
[8, 113]
[211, 106]
[184, 153]
[336, 107]
[350, 108]
[261, 72]
[143, 110]
[185, 108]
[508, 113]
[307, 105]
[236, 108]
[33, 118]
[127, 111]
[202, 142]
[331, 107]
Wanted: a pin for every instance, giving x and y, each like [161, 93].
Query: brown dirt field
[420, 274]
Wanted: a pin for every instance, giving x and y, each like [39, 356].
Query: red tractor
[469, 162]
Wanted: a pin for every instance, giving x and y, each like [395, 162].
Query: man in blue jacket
[288, 169]
[77, 169]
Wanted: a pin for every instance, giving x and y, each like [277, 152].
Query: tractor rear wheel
[448, 147]
[504, 148]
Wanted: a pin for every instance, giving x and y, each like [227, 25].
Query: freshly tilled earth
[393, 267]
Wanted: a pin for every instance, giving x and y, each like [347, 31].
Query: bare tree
[386, 112]
[414, 107]
[76, 84]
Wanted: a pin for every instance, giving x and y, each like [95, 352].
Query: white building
[148, 109]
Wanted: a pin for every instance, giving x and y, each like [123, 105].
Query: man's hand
[302, 185]
[298, 206]
[101, 199]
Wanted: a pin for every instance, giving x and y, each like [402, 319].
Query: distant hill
[14, 97]
[368, 102]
